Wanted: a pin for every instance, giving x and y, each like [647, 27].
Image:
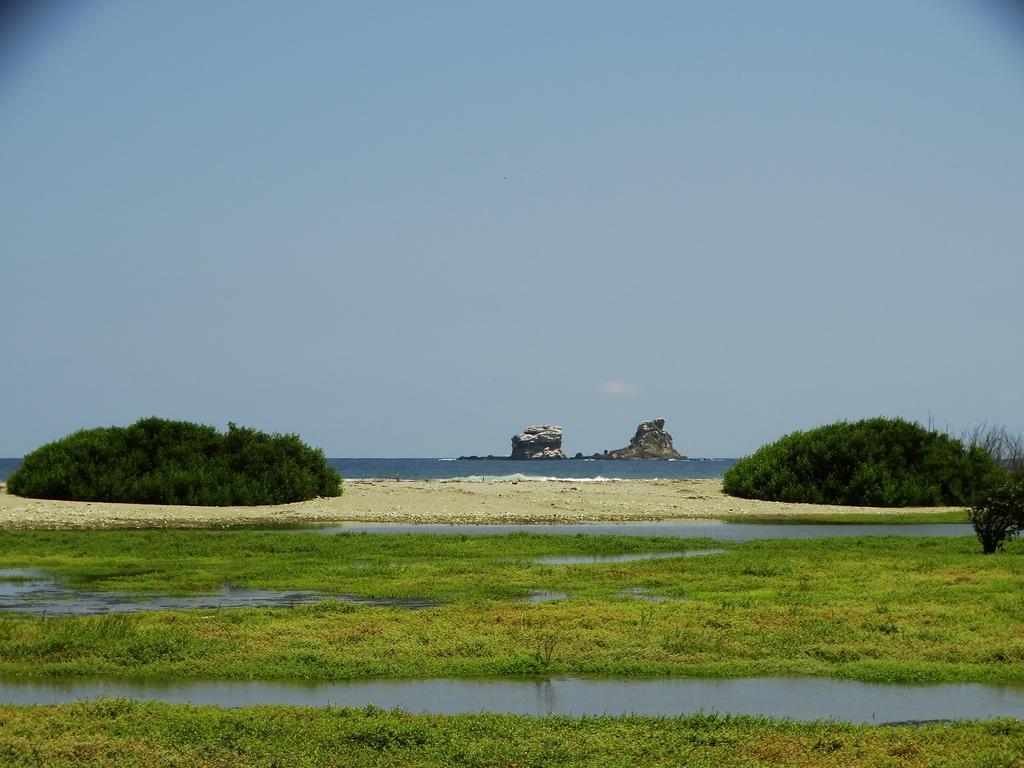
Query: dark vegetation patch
[874, 462]
[998, 515]
[937, 517]
[158, 461]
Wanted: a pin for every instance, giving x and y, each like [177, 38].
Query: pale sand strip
[434, 502]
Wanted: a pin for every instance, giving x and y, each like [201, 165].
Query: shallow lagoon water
[684, 529]
[545, 596]
[782, 697]
[36, 593]
[639, 593]
[623, 558]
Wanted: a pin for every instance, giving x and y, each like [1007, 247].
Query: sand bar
[435, 501]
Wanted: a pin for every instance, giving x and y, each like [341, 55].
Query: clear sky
[412, 229]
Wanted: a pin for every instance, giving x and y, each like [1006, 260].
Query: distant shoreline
[439, 501]
[439, 468]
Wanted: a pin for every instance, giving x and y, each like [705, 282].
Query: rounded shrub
[157, 461]
[875, 462]
[998, 515]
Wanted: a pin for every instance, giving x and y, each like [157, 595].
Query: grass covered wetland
[872, 609]
[886, 609]
[123, 733]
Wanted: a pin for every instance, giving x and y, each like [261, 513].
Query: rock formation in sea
[542, 441]
[651, 441]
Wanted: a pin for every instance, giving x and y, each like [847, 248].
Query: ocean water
[557, 469]
[498, 469]
[7, 467]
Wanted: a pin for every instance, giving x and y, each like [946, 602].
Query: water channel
[685, 529]
[798, 698]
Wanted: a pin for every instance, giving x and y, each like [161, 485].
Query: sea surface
[480, 470]
[540, 469]
[7, 467]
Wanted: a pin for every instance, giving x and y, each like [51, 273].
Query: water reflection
[623, 558]
[543, 596]
[639, 593]
[781, 697]
[688, 529]
[25, 592]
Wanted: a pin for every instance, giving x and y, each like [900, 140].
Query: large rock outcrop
[542, 441]
[651, 441]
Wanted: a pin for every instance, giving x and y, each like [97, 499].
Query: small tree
[999, 515]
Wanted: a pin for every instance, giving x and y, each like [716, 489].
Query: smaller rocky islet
[544, 441]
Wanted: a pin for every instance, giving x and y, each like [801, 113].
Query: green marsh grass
[873, 609]
[124, 733]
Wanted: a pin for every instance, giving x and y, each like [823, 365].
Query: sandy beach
[435, 501]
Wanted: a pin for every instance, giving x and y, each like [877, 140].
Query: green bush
[157, 461]
[998, 515]
[875, 462]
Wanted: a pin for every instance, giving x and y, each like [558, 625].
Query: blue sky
[411, 229]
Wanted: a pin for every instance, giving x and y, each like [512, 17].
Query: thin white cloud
[618, 388]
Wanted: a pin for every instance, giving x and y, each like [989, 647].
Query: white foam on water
[519, 477]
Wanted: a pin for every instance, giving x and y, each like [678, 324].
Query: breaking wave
[519, 477]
